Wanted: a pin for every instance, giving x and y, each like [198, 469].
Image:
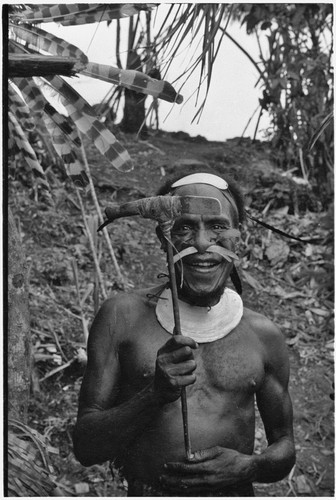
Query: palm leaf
[20, 109]
[27, 151]
[41, 40]
[133, 80]
[86, 121]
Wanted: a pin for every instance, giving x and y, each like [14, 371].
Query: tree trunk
[19, 341]
[134, 109]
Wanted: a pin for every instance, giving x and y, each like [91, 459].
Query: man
[130, 409]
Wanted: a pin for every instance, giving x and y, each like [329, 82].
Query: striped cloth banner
[27, 151]
[42, 40]
[133, 80]
[64, 123]
[76, 14]
[38, 103]
[20, 109]
[53, 12]
[72, 165]
[32, 94]
[83, 115]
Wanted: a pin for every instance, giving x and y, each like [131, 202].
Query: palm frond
[30, 472]
[203, 21]
[133, 80]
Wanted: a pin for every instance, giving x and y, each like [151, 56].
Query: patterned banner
[75, 14]
[42, 40]
[73, 167]
[86, 121]
[133, 80]
[27, 151]
[20, 109]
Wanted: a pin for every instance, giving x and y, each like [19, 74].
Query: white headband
[211, 179]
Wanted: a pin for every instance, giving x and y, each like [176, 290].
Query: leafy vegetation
[296, 79]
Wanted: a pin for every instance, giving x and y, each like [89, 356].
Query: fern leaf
[73, 166]
[133, 80]
[27, 151]
[41, 40]
[20, 109]
[86, 121]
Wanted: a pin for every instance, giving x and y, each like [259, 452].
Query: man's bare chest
[231, 364]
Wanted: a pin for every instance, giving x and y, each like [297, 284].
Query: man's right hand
[175, 366]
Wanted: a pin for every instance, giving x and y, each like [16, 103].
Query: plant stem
[94, 253]
[84, 323]
[100, 215]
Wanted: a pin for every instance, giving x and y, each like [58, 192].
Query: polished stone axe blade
[199, 205]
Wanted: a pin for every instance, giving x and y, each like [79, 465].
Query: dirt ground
[290, 282]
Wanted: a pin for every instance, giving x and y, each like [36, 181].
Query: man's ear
[162, 239]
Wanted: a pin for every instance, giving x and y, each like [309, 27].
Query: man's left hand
[212, 468]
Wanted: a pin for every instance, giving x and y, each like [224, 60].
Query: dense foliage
[296, 79]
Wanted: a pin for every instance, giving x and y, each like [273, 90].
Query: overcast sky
[232, 98]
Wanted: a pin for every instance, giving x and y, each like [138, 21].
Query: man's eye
[182, 229]
[219, 227]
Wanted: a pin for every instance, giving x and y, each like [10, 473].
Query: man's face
[203, 274]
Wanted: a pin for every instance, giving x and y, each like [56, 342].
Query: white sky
[232, 97]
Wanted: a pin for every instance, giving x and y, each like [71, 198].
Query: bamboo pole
[24, 65]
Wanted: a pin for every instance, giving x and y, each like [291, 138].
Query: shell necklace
[201, 323]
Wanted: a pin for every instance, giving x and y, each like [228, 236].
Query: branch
[24, 65]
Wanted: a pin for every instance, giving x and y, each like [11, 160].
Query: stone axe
[164, 209]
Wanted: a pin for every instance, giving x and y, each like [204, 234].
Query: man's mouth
[202, 264]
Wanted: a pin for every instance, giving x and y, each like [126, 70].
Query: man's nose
[202, 240]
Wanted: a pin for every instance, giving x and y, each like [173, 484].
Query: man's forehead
[205, 190]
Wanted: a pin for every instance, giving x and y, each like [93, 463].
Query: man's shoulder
[131, 303]
[268, 333]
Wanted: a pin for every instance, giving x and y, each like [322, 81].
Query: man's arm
[104, 429]
[276, 411]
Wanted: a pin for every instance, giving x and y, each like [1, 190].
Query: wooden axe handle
[163, 208]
